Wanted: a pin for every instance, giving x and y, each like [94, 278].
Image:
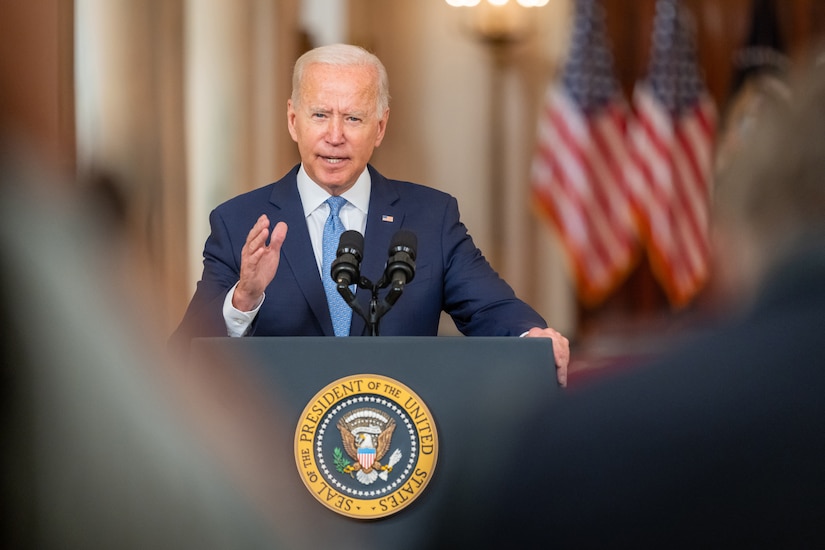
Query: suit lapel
[297, 249]
[383, 220]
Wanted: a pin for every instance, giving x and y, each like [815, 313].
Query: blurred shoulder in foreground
[105, 444]
[719, 443]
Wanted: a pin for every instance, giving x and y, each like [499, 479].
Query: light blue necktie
[338, 309]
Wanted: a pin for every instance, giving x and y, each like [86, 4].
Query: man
[722, 444]
[261, 282]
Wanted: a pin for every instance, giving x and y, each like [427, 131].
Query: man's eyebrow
[328, 110]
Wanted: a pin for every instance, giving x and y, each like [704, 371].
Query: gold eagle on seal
[366, 435]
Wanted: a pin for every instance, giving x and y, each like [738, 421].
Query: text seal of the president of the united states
[366, 446]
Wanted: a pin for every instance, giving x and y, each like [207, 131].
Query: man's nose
[335, 130]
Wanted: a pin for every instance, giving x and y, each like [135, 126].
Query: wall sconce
[498, 22]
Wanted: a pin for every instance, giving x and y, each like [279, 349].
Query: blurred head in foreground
[770, 194]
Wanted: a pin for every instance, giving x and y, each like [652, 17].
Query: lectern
[383, 435]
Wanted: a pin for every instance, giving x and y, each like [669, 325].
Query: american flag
[671, 140]
[577, 172]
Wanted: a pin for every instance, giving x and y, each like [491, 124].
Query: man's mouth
[334, 160]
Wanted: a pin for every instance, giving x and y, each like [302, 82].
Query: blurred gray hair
[773, 191]
[343, 55]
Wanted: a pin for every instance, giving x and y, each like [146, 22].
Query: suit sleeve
[479, 301]
[221, 270]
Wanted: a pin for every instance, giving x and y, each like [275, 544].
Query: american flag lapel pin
[386, 218]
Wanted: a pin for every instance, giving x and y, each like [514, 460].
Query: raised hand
[259, 263]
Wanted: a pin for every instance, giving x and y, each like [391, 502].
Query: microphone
[400, 268]
[346, 268]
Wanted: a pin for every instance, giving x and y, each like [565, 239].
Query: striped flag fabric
[671, 143]
[577, 171]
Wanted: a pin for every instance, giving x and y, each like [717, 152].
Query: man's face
[335, 123]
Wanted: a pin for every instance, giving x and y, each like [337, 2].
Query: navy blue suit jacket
[451, 273]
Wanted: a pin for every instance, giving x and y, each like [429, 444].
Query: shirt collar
[313, 195]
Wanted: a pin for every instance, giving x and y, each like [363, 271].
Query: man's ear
[290, 120]
[382, 127]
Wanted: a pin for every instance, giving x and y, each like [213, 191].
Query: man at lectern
[267, 260]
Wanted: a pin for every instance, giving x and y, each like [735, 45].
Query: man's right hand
[259, 263]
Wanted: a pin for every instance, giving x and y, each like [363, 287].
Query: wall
[153, 67]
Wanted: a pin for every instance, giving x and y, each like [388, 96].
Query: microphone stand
[377, 308]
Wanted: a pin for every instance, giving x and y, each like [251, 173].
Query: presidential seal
[366, 446]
